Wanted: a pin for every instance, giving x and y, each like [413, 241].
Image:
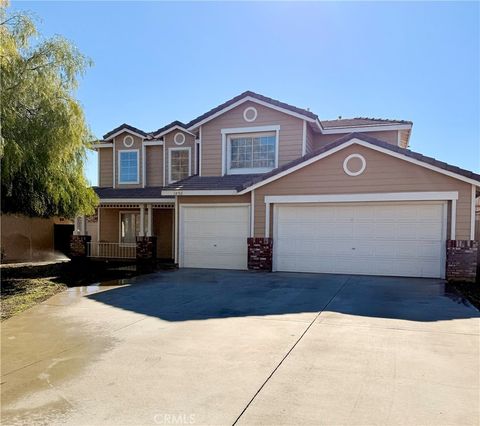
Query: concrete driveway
[224, 347]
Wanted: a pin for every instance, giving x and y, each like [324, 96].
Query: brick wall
[146, 248]
[462, 258]
[78, 245]
[260, 254]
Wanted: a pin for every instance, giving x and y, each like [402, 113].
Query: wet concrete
[196, 346]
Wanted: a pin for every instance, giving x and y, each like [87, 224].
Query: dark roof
[428, 160]
[234, 182]
[172, 124]
[361, 121]
[256, 96]
[123, 126]
[149, 192]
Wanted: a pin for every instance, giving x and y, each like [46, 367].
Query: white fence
[112, 250]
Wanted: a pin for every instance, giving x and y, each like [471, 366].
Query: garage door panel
[214, 237]
[379, 239]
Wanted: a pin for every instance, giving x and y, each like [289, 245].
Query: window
[129, 227]
[179, 165]
[252, 152]
[128, 166]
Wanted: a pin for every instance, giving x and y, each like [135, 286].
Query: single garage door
[372, 239]
[214, 236]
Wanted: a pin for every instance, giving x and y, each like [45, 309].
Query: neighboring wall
[390, 136]
[291, 134]
[383, 174]
[28, 238]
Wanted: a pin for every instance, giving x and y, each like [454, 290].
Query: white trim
[186, 148]
[171, 129]
[304, 138]
[152, 143]
[257, 129]
[175, 138]
[124, 129]
[472, 213]
[362, 168]
[224, 154]
[98, 169]
[267, 219]
[366, 128]
[374, 197]
[195, 162]
[257, 101]
[136, 182]
[176, 237]
[125, 143]
[98, 223]
[199, 192]
[255, 114]
[114, 177]
[179, 224]
[102, 145]
[367, 145]
[135, 200]
[399, 139]
[252, 214]
[200, 151]
[453, 220]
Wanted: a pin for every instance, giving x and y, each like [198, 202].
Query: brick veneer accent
[260, 254]
[462, 258]
[78, 245]
[146, 248]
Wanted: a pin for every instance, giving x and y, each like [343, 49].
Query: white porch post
[149, 220]
[84, 225]
[142, 220]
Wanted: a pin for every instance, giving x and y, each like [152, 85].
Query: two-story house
[337, 196]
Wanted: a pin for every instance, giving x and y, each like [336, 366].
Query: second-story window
[252, 153]
[128, 166]
[179, 164]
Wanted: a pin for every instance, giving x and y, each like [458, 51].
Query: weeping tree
[44, 135]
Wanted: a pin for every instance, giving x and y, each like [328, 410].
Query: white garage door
[372, 239]
[214, 237]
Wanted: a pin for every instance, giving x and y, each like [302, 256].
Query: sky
[155, 62]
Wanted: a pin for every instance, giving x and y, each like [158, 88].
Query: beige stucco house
[336, 196]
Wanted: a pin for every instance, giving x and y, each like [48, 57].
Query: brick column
[78, 246]
[462, 258]
[260, 254]
[146, 248]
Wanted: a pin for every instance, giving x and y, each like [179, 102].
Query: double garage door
[373, 239]
[399, 239]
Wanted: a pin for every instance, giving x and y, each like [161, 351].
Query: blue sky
[156, 62]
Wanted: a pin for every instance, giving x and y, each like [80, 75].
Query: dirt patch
[19, 295]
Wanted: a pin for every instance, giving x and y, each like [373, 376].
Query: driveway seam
[289, 352]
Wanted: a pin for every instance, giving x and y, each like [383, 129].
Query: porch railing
[112, 250]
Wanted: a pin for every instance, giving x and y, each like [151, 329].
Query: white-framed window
[128, 166]
[179, 164]
[252, 152]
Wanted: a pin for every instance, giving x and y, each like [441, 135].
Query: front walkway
[219, 347]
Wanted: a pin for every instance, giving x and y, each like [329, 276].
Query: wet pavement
[219, 347]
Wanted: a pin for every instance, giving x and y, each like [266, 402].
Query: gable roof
[249, 95]
[165, 129]
[151, 192]
[385, 147]
[123, 127]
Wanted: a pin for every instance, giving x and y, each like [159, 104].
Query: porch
[117, 228]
